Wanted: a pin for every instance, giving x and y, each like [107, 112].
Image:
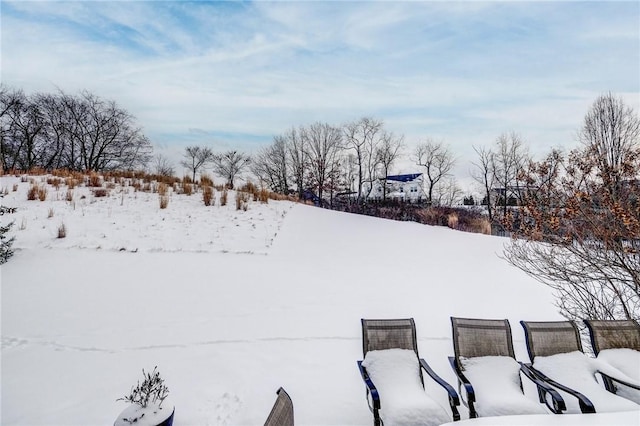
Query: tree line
[62, 131]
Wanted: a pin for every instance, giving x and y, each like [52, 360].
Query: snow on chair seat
[392, 374]
[617, 343]
[578, 371]
[486, 368]
[496, 381]
[555, 350]
[396, 375]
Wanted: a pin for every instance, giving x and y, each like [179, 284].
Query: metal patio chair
[547, 338]
[282, 412]
[613, 334]
[381, 334]
[473, 338]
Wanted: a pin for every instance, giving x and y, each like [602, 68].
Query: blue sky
[234, 74]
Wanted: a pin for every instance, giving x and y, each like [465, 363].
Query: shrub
[207, 195]
[187, 188]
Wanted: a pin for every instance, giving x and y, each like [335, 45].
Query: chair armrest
[586, 406]
[557, 402]
[618, 380]
[371, 389]
[464, 382]
[454, 400]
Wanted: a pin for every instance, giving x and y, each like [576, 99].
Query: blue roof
[404, 178]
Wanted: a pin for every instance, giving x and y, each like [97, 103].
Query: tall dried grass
[207, 195]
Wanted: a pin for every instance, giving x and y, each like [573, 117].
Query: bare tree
[297, 158]
[510, 159]
[162, 166]
[447, 192]
[323, 143]
[482, 173]
[270, 165]
[230, 164]
[437, 160]
[362, 138]
[579, 230]
[196, 158]
[388, 151]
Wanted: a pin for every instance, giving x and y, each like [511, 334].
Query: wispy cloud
[241, 72]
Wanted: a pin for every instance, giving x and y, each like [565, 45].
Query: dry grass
[205, 180]
[71, 182]
[94, 180]
[187, 188]
[62, 231]
[164, 201]
[223, 197]
[100, 192]
[242, 200]
[163, 189]
[69, 196]
[55, 182]
[452, 220]
[207, 195]
[32, 193]
[42, 193]
[15, 187]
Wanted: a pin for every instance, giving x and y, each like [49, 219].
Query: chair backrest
[481, 337]
[613, 334]
[546, 338]
[379, 334]
[282, 411]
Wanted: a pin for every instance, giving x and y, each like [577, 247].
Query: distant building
[409, 187]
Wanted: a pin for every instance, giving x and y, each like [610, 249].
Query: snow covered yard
[228, 304]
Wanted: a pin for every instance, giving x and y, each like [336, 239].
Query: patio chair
[617, 343]
[484, 356]
[282, 412]
[392, 373]
[555, 351]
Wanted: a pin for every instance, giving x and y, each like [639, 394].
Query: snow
[578, 371]
[403, 401]
[496, 382]
[628, 362]
[230, 305]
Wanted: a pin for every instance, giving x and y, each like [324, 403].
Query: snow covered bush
[5, 243]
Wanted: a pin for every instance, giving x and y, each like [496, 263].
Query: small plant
[151, 390]
[15, 187]
[187, 188]
[5, 243]
[205, 180]
[95, 180]
[223, 197]
[69, 196]
[242, 200]
[51, 212]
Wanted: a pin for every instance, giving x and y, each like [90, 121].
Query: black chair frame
[546, 394]
[373, 397]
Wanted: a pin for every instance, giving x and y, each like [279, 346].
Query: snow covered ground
[228, 304]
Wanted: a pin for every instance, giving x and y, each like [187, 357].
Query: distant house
[408, 187]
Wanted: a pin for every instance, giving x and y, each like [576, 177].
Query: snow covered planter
[147, 400]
